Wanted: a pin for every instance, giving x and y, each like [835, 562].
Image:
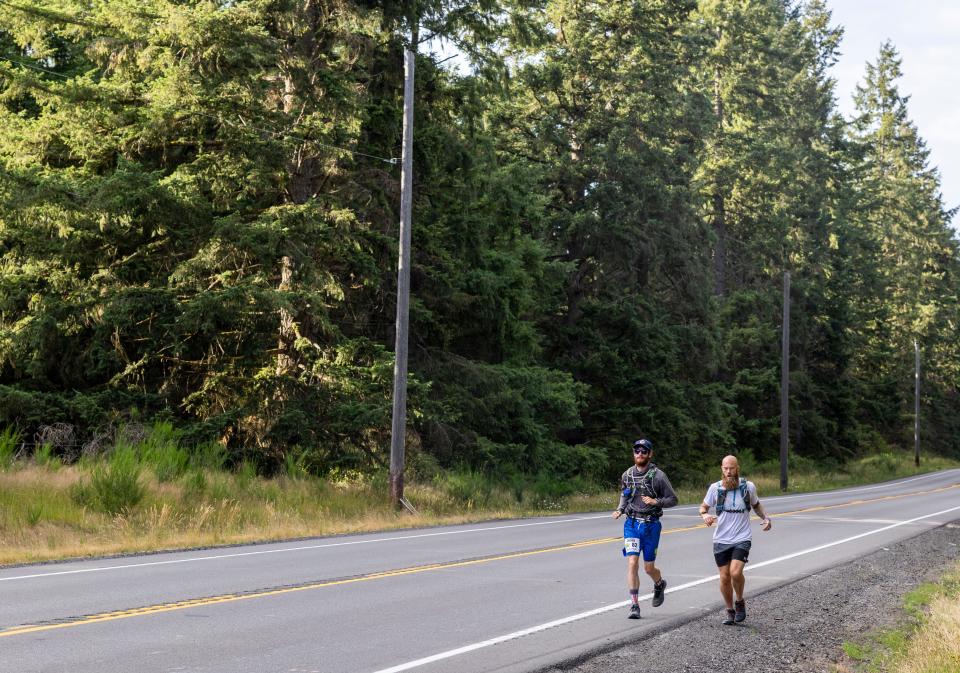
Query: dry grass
[40, 520]
[43, 518]
[926, 641]
[935, 648]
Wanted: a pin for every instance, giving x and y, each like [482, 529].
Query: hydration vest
[647, 485]
[643, 486]
[722, 497]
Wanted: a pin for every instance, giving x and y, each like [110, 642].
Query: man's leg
[737, 579]
[650, 567]
[651, 544]
[633, 574]
[726, 586]
[726, 590]
[633, 583]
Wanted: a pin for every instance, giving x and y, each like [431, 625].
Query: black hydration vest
[642, 485]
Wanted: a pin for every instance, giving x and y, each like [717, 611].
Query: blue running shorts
[639, 535]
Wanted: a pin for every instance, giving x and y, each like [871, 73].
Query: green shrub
[44, 457]
[465, 487]
[161, 450]
[209, 455]
[9, 443]
[583, 460]
[196, 482]
[550, 487]
[877, 467]
[295, 463]
[35, 513]
[114, 488]
[246, 474]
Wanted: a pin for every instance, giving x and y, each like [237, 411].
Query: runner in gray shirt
[733, 499]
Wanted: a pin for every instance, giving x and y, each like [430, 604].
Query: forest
[199, 217]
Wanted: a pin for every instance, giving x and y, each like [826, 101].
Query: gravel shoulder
[794, 628]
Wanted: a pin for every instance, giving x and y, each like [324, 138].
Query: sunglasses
[641, 449]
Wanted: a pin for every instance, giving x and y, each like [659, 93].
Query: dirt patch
[797, 628]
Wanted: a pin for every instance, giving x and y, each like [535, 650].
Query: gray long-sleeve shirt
[635, 484]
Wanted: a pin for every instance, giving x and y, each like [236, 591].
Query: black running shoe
[741, 611]
[658, 593]
[634, 612]
[729, 619]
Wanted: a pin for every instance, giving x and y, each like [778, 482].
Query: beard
[732, 482]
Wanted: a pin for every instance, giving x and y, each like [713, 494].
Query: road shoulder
[796, 628]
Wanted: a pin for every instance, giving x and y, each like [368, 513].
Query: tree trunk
[303, 170]
[719, 204]
[720, 250]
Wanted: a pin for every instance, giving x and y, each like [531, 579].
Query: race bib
[631, 545]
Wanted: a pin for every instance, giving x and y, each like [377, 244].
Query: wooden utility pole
[916, 404]
[399, 425]
[785, 383]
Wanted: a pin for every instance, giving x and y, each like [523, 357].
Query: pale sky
[925, 33]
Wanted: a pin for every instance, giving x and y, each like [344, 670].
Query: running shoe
[658, 593]
[729, 619]
[741, 611]
[634, 612]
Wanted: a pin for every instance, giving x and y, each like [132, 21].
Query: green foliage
[498, 417]
[44, 456]
[9, 446]
[114, 487]
[466, 488]
[246, 474]
[888, 648]
[196, 482]
[295, 463]
[209, 456]
[161, 451]
[604, 206]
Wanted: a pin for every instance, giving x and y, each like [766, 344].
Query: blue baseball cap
[642, 445]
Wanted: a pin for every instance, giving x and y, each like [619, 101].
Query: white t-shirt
[732, 526]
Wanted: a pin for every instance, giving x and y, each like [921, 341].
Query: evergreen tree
[607, 117]
[915, 296]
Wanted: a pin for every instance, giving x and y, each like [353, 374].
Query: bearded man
[645, 493]
[732, 497]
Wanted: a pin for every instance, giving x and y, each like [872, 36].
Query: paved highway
[505, 596]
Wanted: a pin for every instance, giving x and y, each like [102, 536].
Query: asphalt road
[501, 596]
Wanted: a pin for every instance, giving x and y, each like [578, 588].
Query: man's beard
[732, 482]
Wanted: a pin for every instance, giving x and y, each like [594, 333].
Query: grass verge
[154, 495]
[926, 641]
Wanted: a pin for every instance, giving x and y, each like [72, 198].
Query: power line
[33, 66]
[274, 132]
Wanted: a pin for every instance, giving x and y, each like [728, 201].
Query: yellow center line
[863, 501]
[230, 598]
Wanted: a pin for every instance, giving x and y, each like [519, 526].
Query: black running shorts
[724, 553]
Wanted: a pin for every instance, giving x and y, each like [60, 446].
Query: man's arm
[666, 497]
[758, 508]
[621, 506]
[708, 518]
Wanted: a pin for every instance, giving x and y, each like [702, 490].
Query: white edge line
[592, 613]
[259, 552]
